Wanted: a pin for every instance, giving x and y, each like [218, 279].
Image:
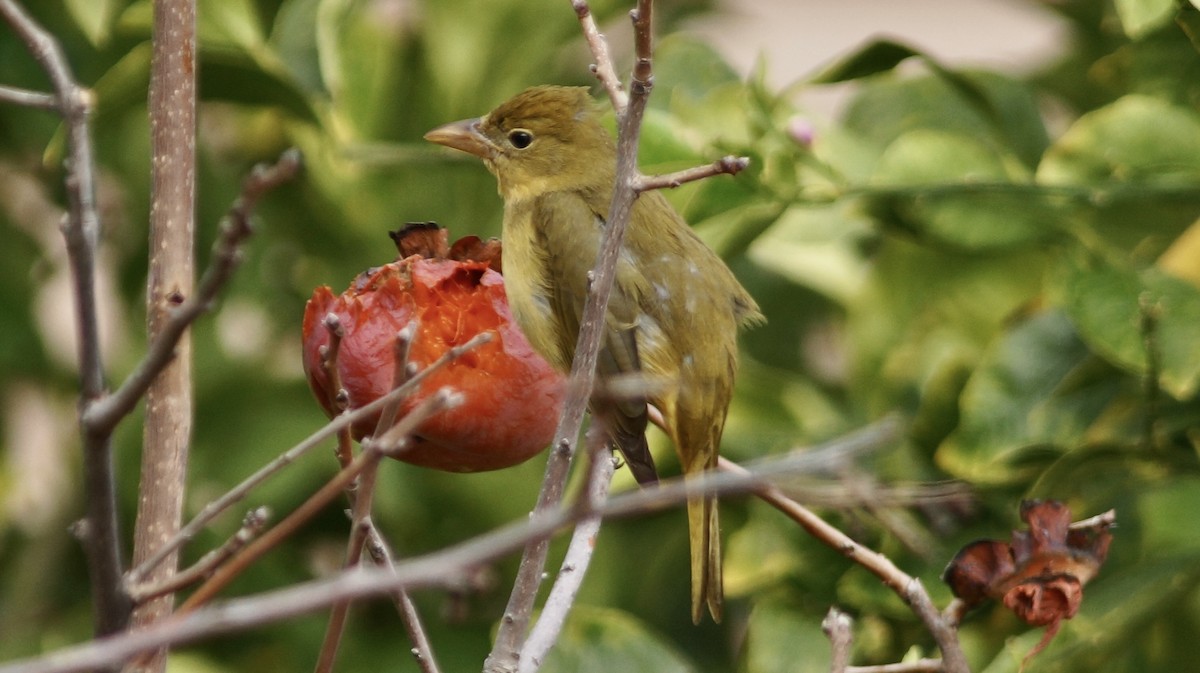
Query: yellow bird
[675, 308]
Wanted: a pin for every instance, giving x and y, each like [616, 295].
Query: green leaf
[1139, 17]
[235, 78]
[1136, 138]
[95, 18]
[888, 108]
[1106, 303]
[1023, 394]
[230, 23]
[598, 640]
[691, 66]
[997, 214]
[876, 57]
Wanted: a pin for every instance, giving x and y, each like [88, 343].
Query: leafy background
[1012, 262]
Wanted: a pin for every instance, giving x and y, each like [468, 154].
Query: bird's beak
[463, 135]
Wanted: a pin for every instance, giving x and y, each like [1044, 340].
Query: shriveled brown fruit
[1039, 575]
[512, 397]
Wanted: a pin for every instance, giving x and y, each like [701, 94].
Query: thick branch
[168, 426]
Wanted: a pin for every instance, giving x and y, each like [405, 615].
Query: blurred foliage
[1011, 261]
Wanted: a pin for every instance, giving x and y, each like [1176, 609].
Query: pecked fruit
[512, 396]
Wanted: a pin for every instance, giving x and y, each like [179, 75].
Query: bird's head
[544, 139]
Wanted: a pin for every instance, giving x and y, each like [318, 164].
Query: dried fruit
[1040, 574]
[512, 396]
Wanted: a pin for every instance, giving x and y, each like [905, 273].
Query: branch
[360, 494]
[729, 165]
[445, 568]
[167, 429]
[422, 650]
[227, 255]
[366, 460]
[579, 555]
[99, 531]
[836, 626]
[27, 98]
[252, 525]
[239, 492]
[908, 588]
[603, 67]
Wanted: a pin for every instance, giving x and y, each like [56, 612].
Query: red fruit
[512, 396]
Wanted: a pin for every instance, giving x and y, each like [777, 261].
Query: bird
[674, 312]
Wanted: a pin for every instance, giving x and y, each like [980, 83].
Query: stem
[579, 555]
[99, 530]
[168, 425]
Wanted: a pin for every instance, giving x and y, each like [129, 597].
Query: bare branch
[99, 531]
[239, 492]
[603, 67]
[730, 165]
[1102, 520]
[366, 460]
[27, 98]
[226, 258]
[251, 526]
[908, 588]
[579, 555]
[167, 429]
[918, 666]
[836, 626]
[505, 652]
[422, 650]
[361, 499]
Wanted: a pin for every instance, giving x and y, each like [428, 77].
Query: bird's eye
[520, 138]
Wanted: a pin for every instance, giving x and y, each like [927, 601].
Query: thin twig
[836, 626]
[361, 492]
[728, 165]
[360, 524]
[239, 492]
[225, 259]
[579, 555]
[337, 396]
[1101, 520]
[28, 98]
[435, 403]
[603, 67]
[908, 588]
[251, 526]
[422, 650]
[99, 531]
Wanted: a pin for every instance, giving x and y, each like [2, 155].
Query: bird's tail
[704, 533]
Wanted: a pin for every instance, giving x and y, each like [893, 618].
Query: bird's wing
[621, 407]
